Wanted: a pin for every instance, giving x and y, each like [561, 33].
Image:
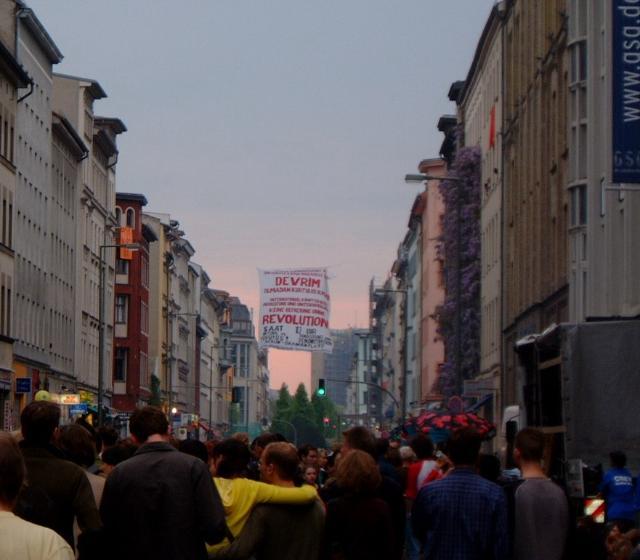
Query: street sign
[78, 409]
[23, 385]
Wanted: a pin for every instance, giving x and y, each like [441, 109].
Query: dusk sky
[277, 132]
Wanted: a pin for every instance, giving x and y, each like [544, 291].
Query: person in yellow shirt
[239, 494]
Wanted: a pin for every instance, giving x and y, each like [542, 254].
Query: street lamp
[422, 178]
[101, 315]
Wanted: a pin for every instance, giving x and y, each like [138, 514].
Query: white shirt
[21, 540]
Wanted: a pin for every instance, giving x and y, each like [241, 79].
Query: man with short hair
[463, 516]
[19, 538]
[541, 511]
[279, 531]
[57, 490]
[308, 456]
[160, 503]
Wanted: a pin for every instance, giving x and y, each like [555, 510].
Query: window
[144, 318]
[131, 218]
[120, 370]
[122, 267]
[144, 370]
[122, 304]
[578, 195]
[144, 271]
[118, 216]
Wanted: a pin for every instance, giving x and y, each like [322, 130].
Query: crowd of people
[74, 492]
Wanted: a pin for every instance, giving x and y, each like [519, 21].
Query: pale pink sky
[277, 133]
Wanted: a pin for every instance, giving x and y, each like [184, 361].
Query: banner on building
[294, 309]
[626, 91]
[126, 238]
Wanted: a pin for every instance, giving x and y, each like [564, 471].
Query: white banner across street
[294, 309]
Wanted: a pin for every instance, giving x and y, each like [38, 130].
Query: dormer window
[131, 218]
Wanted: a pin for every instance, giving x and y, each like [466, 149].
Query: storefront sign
[23, 385]
[294, 309]
[626, 91]
[78, 409]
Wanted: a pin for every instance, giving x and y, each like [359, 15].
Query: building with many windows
[12, 79]
[535, 147]
[131, 368]
[480, 106]
[34, 311]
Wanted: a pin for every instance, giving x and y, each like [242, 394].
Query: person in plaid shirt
[462, 516]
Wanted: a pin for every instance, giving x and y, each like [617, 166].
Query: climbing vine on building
[459, 249]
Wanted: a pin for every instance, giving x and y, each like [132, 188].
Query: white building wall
[33, 195]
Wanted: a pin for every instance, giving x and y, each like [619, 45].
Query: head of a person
[422, 446]
[407, 455]
[308, 454]
[618, 459]
[12, 471]
[489, 467]
[116, 454]
[359, 438]
[194, 448]
[241, 436]
[78, 445]
[231, 458]
[146, 422]
[464, 448]
[323, 458]
[310, 474]
[40, 420]
[529, 446]
[108, 436]
[259, 443]
[279, 461]
[358, 473]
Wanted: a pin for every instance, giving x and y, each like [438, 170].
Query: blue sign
[23, 384]
[78, 409]
[626, 91]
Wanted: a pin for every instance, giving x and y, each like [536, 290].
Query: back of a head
[361, 439]
[464, 447]
[284, 457]
[148, 421]
[422, 446]
[12, 470]
[618, 459]
[358, 473]
[235, 457]
[530, 444]
[39, 421]
[194, 448]
[118, 453]
[108, 436]
[489, 467]
[78, 444]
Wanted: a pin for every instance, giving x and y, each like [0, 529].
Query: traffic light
[321, 392]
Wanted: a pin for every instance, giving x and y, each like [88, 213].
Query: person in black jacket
[160, 504]
[57, 490]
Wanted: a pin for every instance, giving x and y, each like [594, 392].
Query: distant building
[336, 365]
[131, 372]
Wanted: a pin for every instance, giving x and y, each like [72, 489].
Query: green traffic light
[321, 392]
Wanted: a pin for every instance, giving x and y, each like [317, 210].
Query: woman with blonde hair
[356, 520]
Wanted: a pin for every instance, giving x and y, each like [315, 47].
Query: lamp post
[422, 178]
[101, 318]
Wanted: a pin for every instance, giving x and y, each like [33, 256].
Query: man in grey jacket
[160, 504]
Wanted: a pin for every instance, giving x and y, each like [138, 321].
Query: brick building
[131, 372]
